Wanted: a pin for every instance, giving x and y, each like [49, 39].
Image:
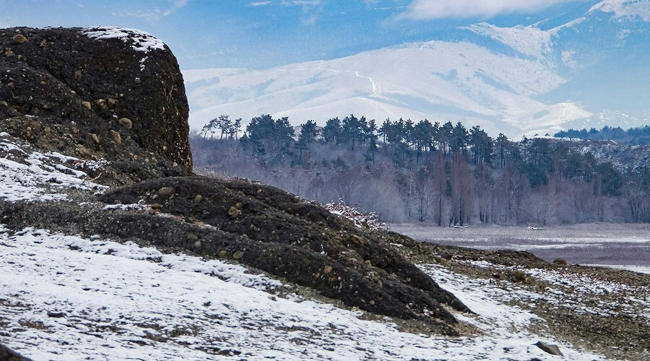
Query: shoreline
[611, 245]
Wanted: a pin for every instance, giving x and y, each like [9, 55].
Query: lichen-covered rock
[88, 81]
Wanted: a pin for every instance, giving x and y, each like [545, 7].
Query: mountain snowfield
[515, 80]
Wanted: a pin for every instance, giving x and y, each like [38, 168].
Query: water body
[624, 246]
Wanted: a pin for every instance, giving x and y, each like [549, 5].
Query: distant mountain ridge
[525, 79]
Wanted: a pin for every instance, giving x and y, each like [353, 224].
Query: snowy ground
[68, 298]
[28, 175]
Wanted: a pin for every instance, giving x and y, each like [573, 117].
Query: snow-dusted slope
[70, 298]
[435, 80]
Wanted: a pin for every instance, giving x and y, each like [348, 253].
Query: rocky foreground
[113, 249]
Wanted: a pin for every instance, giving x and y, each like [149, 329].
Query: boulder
[548, 348]
[56, 74]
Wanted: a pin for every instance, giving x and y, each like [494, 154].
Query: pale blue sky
[265, 33]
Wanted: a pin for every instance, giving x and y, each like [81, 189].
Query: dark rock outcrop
[6, 354]
[104, 92]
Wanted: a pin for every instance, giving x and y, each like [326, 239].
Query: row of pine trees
[444, 174]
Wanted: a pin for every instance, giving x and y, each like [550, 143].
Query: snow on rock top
[139, 40]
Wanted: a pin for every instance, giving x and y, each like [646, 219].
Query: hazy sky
[265, 33]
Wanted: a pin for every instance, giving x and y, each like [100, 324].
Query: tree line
[640, 135]
[444, 174]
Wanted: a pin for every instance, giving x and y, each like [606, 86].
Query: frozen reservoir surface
[625, 246]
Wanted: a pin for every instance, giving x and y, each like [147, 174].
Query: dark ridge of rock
[267, 214]
[362, 286]
[81, 90]
[6, 354]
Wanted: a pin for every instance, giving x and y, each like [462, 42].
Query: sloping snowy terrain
[71, 298]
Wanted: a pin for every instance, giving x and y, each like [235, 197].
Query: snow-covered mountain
[571, 71]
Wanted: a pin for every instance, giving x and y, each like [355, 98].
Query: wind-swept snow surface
[70, 298]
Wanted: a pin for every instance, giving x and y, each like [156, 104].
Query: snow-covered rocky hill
[112, 250]
[517, 80]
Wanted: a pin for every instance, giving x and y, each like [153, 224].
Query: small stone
[197, 244]
[560, 262]
[192, 236]
[87, 105]
[222, 253]
[4, 103]
[548, 348]
[78, 73]
[207, 304]
[126, 123]
[9, 53]
[238, 255]
[117, 138]
[517, 276]
[357, 240]
[198, 198]
[165, 191]
[327, 269]
[94, 137]
[83, 151]
[101, 104]
[156, 206]
[234, 212]
[20, 38]
[43, 43]
[111, 101]
[55, 314]
[239, 205]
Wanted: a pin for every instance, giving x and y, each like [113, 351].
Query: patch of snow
[35, 176]
[527, 40]
[70, 298]
[625, 8]
[139, 40]
[140, 206]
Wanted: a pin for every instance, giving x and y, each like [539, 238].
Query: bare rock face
[117, 92]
